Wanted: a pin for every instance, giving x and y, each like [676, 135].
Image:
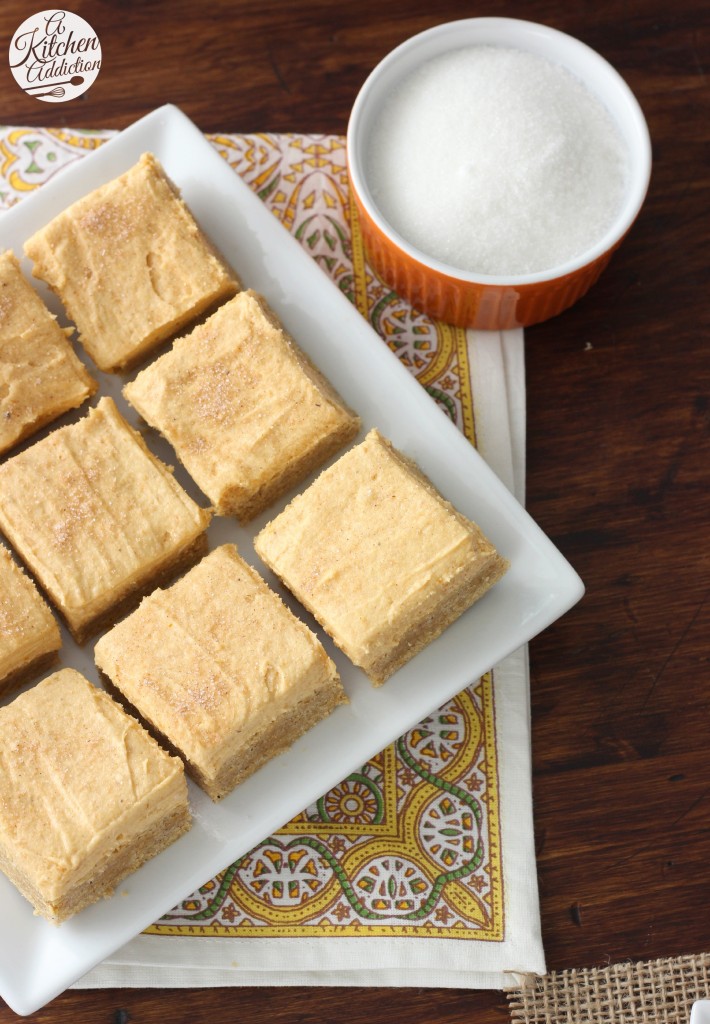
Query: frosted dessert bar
[97, 518]
[29, 634]
[247, 413]
[40, 376]
[378, 556]
[86, 795]
[130, 265]
[220, 668]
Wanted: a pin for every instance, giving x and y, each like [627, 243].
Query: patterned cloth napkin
[420, 868]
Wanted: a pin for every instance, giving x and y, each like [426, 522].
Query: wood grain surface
[618, 457]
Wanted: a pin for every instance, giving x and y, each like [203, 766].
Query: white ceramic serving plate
[37, 960]
[700, 1012]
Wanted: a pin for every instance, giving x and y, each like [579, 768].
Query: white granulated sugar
[496, 161]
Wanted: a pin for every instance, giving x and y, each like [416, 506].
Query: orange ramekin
[476, 300]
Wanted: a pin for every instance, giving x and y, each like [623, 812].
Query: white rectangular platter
[37, 960]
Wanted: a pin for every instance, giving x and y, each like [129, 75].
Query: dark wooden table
[618, 459]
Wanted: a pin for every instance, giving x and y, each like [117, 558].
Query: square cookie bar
[40, 377]
[29, 634]
[97, 518]
[130, 265]
[86, 795]
[221, 669]
[378, 556]
[247, 413]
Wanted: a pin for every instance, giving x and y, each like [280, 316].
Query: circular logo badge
[55, 56]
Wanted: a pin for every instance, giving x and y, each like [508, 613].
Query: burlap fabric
[650, 992]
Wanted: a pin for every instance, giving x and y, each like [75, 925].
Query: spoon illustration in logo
[75, 80]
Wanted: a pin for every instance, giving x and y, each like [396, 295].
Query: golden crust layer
[29, 634]
[378, 556]
[247, 413]
[221, 668]
[130, 265]
[40, 376]
[96, 517]
[86, 795]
